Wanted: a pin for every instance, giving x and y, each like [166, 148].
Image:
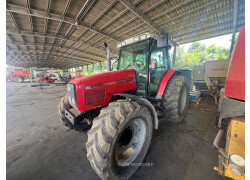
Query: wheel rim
[130, 142]
[183, 100]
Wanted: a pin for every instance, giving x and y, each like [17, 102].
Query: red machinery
[231, 121]
[46, 80]
[235, 83]
[92, 95]
[79, 73]
[18, 75]
[122, 104]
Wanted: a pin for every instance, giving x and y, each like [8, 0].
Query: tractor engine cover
[96, 90]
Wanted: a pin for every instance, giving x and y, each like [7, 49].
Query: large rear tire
[119, 139]
[175, 98]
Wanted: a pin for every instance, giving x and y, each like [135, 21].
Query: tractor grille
[94, 97]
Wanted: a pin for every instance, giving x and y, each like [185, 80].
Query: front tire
[18, 79]
[120, 135]
[63, 105]
[175, 98]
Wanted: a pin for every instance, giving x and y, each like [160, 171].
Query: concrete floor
[40, 147]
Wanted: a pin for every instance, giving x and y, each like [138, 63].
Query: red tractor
[19, 75]
[123, 106]
[79, 73]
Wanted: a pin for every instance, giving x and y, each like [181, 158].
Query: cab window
[134, 57]
[157, 67]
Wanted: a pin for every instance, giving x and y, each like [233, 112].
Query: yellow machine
[232, 165]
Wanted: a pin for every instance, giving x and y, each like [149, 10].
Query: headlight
[71, 89]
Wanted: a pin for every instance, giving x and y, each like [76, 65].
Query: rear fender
[164, 82]
[169, 74]
[144, 102]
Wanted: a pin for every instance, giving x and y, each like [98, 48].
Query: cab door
[157, 67]
[135, 57]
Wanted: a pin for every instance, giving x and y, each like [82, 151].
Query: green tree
[196, 47]
[85, 70]
[104, 66]
[193, 59]
[91, 70]
[223, 53]
[97, 68]
[216, 53]
[197, 54]
[179, 58]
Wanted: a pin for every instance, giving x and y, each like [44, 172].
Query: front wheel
[64, 105]
[119, 139]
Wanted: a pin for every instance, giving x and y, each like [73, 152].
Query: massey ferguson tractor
[230, 140]
[122, 107]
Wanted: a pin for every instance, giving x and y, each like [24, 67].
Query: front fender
[144, 102]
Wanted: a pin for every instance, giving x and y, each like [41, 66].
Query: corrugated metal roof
[71, 33]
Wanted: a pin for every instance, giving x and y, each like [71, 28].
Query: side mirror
[162, 40]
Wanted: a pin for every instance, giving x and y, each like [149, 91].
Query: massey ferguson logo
[93, 86]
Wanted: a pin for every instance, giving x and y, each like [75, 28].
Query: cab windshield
[134, 57]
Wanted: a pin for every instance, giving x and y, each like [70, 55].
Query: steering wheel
[139, 63]
[130, 66]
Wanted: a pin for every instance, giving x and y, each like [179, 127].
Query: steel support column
[234, 26]
[174, 56]
[100, 66]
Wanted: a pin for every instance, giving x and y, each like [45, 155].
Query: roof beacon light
[135, 39]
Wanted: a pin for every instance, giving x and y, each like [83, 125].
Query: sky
[223, 41]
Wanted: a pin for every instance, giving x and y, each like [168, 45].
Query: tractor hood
[111, 76]
[97, 90]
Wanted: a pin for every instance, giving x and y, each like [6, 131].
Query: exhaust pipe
[108, 56]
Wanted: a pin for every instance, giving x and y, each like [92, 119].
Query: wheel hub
[183, 99]
[130, 142]
[126, 137]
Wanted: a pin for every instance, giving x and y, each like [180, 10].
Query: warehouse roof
[71, 33]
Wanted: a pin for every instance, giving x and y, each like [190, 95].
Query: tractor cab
[149, 58]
